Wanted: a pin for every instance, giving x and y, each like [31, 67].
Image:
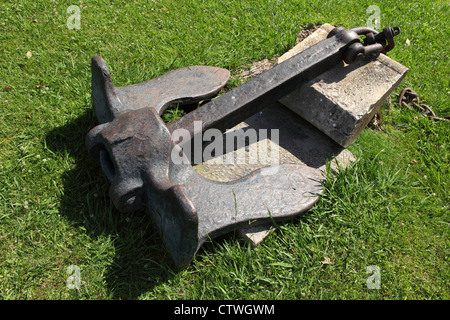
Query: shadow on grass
[140, 260]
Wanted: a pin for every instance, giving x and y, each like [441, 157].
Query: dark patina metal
[133, 146]
[374, 42]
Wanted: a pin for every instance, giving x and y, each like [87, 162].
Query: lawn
[388, 209]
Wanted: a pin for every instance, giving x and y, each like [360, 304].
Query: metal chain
[409, 97]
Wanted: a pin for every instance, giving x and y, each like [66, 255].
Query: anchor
[135, 147]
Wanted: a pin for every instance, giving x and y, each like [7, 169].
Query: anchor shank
[251, 97]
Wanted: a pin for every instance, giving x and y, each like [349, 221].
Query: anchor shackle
[374, 42]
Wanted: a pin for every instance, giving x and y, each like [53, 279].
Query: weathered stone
[342, 101]
[307, 42]
[255, 234]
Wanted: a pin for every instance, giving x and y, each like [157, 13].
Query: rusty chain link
[409, 97]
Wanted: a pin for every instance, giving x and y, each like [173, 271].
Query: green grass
[390, 208]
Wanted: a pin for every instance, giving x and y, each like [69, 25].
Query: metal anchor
[133, 146]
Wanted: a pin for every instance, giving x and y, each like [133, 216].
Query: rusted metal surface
[252, 96]
[374, 42]
[184, 85]
[133, 146]
[409, 97]
[134, 152]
